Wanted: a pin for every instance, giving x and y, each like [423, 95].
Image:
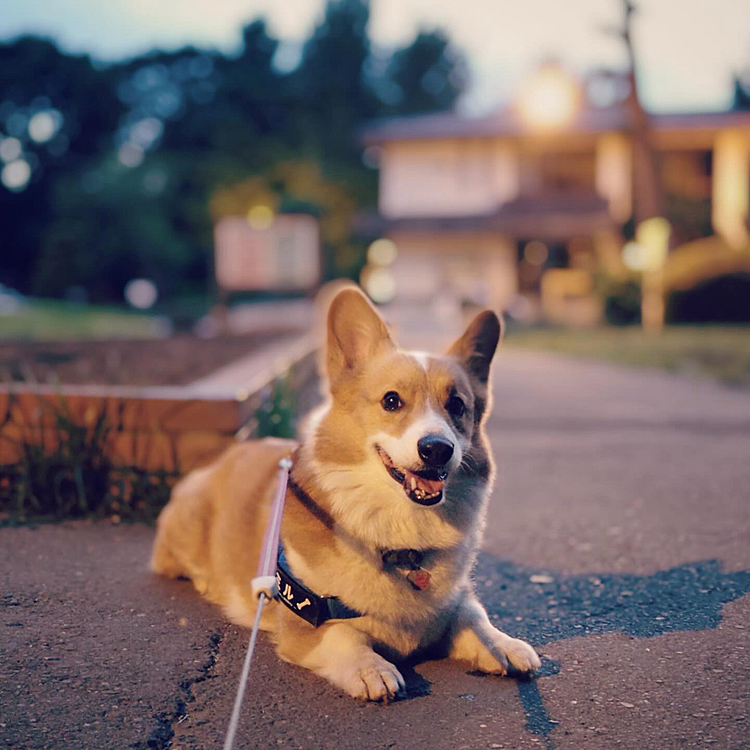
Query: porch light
[549, 99]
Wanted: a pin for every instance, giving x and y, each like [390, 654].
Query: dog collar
[306, 603]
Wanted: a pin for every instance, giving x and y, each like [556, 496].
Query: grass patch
[721, 352]
[54, 320]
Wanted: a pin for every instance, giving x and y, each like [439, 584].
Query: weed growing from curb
[66, 471]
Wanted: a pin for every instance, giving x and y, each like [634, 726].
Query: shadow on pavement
[542, 606]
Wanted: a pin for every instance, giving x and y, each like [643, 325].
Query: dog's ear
[476, 347]
[355, 333]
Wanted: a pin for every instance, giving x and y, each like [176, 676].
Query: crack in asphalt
[160, 737]
[542, 606]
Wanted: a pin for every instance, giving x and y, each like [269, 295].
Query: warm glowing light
[260, 217]
[382, 252]
[536, 253]
[731, 188]
[633, 256]
[379, 283]
[652, 235]
[16, 175]
[549, 99]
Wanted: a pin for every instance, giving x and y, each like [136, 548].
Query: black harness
[319, 609]
[305, 603]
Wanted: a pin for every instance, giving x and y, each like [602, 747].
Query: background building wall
[475, 267]
[447, 177]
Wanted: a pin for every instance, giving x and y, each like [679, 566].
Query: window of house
[568, 172]
[687, 173]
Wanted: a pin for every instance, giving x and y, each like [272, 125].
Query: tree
[300, 186]
[647, 188]
[122, 187]
[330, 85]
[741, 97]
[81, 103]
[427, 75]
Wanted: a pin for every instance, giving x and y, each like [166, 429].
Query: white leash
[264, 587]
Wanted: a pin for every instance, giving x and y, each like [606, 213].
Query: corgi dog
[383, 519]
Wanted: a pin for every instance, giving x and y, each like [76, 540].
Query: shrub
[622, 303]
[276, 416]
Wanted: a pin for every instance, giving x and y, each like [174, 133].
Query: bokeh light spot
[130, 154]
[379, 283]
[10, 149]
[43, 125]
[633, 256]
[141, 293]
[16, 175]
[146, 131]
[260, 217]
[382, 252]
[536, 253]
[549, 99]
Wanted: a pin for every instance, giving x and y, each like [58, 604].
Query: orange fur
[353, 510]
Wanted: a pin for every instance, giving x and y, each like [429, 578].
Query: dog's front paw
[372, 678]
[521, 655]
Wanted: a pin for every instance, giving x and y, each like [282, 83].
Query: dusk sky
[688, 48]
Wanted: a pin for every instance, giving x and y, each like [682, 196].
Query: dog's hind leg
[474, 639]
[181, 546]
[164, 562]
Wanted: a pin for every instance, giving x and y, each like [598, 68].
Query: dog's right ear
[355, 333]
[476, 347]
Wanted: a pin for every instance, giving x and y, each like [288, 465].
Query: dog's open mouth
[424, 486]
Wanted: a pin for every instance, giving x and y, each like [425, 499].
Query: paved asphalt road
[618, 543]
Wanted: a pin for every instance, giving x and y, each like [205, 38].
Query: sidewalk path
[618, 542]
[248, 373]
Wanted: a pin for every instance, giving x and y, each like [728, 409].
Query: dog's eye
[455, 407]
[391, 401]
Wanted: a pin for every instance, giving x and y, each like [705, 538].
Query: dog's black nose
[435, 450]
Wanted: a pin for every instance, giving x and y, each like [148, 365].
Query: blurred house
[520, 213]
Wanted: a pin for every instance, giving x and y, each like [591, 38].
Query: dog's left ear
[476, 347]
[356, 333]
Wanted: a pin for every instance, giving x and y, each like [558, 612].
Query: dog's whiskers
[468, 462]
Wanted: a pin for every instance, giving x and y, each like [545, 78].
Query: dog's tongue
[429, 486]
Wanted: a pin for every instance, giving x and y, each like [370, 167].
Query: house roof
[506, 122]
[551, 217]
